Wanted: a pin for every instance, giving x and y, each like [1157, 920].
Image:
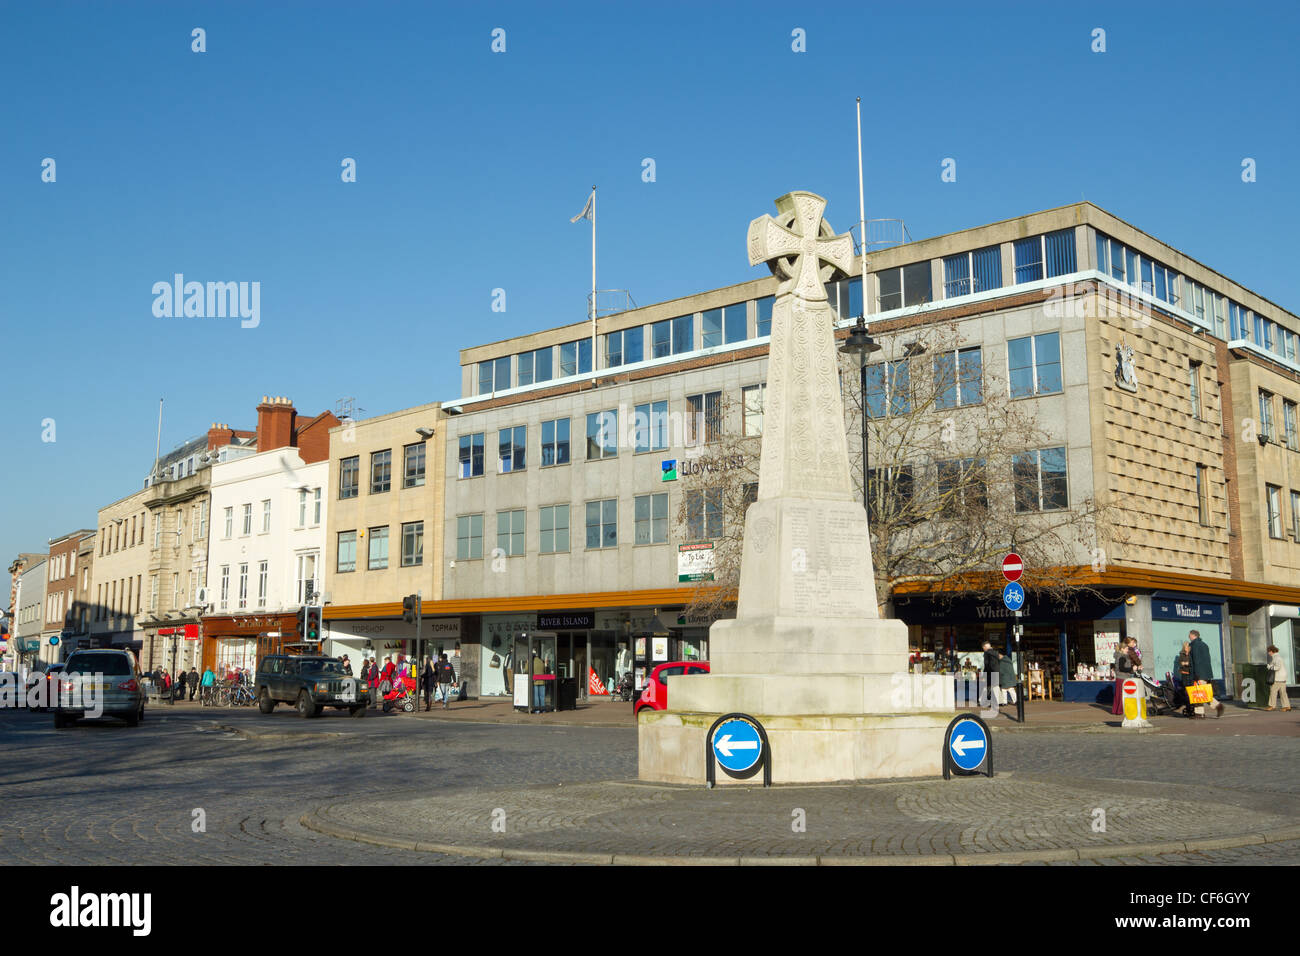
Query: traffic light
[311, 622]
[410, 608]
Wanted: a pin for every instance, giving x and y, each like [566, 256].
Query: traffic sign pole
[1018, 629]
[1013, 596]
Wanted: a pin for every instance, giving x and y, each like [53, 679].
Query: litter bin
[568, 694]
[1259, 674]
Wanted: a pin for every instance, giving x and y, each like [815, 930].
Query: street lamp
[861, 344]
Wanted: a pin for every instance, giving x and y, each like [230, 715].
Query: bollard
[1134, 704]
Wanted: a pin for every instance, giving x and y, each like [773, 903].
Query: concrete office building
[557, 516]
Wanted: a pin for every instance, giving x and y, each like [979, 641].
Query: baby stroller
[1162, 698]
[401, 695]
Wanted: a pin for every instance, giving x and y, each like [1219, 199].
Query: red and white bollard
[1134, 703]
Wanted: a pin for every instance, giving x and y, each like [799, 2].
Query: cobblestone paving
[101, 794]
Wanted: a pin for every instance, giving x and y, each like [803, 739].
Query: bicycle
[242, 696]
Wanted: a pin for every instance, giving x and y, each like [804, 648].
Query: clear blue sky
[225, 166]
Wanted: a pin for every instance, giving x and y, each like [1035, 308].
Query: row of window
[536, 366]
[59, 565]
[702, 424]
[306, 509]
[1274, 496]
[115, 597]
[381, 471]
[649, 520]
[1290, 437]
[306, 588]
[412, 543]
[1228, 319]
[1039, 478]
[1033, 367]
[1035, 258]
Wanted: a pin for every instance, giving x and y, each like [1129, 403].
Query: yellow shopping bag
[1200, 693]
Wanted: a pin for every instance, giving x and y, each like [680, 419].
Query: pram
[1162, 698]
[401, 695]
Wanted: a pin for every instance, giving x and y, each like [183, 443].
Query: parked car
[310, 683]
[118, 687]
[655, 693]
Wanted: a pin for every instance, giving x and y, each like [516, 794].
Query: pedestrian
[376, 699]
[180, 683]
[428, 679]
[194, 680]
[991, 677]
[1277, 679]
[539, 685]
[347, 665]
[387, 673]
[1184, 668]
[209, 681]
[167, 687]
[446, 677]
[1201, 667]
[1006, 678]
[1125, 669]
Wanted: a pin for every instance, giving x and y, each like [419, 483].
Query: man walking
[991, 677]
[446, 677]
[1201, 668]
[194, 680]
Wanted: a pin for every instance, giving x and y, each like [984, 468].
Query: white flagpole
[593, 284]
[862, 217]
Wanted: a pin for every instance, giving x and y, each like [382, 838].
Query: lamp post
[861, 344]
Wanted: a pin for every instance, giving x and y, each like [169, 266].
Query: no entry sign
[1012, 567]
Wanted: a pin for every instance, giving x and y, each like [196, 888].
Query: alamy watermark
[215, 300]
[83, 693]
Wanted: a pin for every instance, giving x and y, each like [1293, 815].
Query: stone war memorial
[807, 654]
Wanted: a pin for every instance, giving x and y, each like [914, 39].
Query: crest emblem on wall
[1125, 372]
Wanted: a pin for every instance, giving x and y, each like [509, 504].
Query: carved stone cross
[795, 245]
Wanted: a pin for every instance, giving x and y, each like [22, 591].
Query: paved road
[107, 794]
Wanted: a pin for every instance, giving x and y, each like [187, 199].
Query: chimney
[275, 423]
[220, 435]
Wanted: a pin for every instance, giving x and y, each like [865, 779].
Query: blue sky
[225, 166]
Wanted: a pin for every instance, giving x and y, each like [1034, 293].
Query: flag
[586, 210]
[594, 686]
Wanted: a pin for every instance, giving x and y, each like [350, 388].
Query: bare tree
[959, 473]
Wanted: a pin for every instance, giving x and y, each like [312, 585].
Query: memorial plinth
[807, 653]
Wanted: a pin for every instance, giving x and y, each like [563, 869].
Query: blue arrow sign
[1013, 596]
[968, 744]
[737, 745]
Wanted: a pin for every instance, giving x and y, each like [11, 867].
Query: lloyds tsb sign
[700, 466]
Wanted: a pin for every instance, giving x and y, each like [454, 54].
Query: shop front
[1067, 647]
[362, 638]
[230, 642]
[595, 647]
[1284, 634]
[1173, 618]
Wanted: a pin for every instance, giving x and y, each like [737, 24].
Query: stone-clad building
[1159, 382]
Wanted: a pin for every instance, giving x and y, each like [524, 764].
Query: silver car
[116, 689]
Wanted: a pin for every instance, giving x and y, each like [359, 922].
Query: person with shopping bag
[1202, 673]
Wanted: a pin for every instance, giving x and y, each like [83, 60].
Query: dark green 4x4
[309, 683]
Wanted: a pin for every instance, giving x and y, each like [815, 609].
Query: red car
[655, 694]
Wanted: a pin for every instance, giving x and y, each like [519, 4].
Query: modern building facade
[1162, 387]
